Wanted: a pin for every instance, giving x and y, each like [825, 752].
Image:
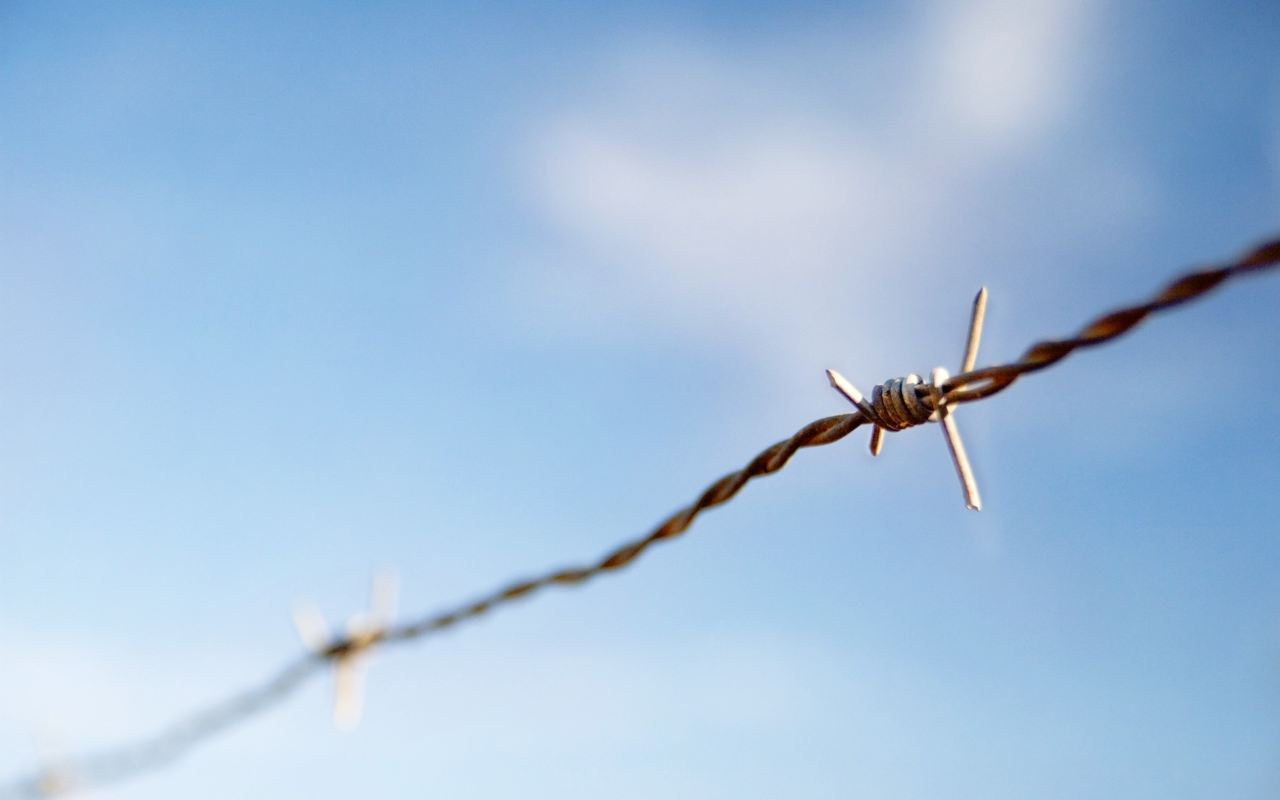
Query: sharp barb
[877, 440]
[841, 384]
[975, 331]
[959, 458]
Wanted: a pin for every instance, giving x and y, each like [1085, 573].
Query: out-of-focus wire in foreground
[895, 405]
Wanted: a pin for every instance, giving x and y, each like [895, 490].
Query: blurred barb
[374, 628]
[350, 654]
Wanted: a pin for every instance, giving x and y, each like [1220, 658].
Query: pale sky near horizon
[293, 292]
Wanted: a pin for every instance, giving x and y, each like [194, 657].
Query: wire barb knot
[904, 403]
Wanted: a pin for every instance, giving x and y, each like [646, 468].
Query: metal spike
[959, 458]
[975, 331]
[877, 440]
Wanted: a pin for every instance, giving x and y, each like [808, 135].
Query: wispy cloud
[1004, 70]
[700, 193]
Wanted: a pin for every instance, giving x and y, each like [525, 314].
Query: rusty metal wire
[152, 753]
[1107, 327]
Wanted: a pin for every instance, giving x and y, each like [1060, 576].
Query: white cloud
[1006, 68]
[795, 205]
[770, 206]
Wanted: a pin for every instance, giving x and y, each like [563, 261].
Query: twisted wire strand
[173, 742]
[824, 431]
[1106, 327]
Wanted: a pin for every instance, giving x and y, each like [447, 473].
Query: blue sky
[293, 292]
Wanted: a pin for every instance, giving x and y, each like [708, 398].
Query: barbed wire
[149, 754]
